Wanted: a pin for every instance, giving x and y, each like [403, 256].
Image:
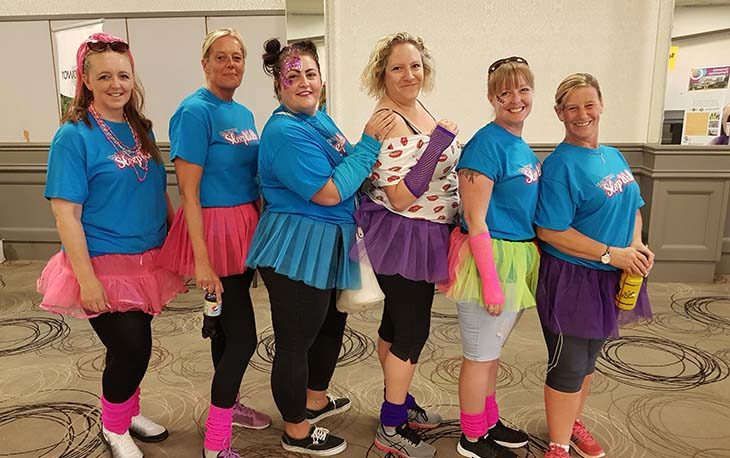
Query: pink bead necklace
[132, 157]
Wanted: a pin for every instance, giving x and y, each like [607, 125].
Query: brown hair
[274, 56]
[78, 108]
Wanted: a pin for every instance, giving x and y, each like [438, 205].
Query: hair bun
[272, 49]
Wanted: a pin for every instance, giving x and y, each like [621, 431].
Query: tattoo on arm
[469, 174]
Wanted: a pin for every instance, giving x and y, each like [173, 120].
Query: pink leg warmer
[218, 428]
[116, 417]
[474, 425]
[135, 405]
[492, 410]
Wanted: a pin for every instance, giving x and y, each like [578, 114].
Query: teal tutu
[304, 249]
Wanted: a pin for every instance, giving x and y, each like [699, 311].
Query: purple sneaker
[249, 418]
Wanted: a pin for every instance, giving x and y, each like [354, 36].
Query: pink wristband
[481, 250]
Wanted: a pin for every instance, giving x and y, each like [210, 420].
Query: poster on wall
[67, 40]
[708, 91]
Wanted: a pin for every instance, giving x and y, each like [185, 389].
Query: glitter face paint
[290, 63]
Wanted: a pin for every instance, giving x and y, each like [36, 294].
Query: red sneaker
[584, 443]
[556, 451]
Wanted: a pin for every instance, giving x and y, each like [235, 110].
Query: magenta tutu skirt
[131, 282]
[228, 232]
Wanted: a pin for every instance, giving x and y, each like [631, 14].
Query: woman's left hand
[494, 309]
[644, 249]
[448, 125]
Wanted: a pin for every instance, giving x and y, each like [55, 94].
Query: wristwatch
[606, 256]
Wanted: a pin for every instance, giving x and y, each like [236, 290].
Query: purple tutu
[396, 245]
[581, 302]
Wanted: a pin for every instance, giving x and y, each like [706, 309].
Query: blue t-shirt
[594, 192]
[295, 162]
[219, 136]
[511, 164]
[120, 213]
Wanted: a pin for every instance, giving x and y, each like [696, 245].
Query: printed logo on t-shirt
[338, 142]
[234, 137]
[532, 172]
[615, 183]
[124, 160]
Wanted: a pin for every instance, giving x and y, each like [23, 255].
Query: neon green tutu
[517, 265]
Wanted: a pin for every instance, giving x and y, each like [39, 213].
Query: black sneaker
[319, 442]
[506, 436]
[485, 447]
[333, 407]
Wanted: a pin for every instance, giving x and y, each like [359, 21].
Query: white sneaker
[121, 445]
[146, 430]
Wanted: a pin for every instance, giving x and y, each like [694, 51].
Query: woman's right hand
[448, 125]
[93, 296]
[207, 280]
[631, 260]
[380, 124]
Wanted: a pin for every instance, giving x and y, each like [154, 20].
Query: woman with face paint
[405, 218]
[589, 225]
[106, 183]
[214, 145]
[309, 175]
[493, 260]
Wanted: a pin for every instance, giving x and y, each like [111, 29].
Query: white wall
[20, 8]
[689, 20]
[617, 41]
[707, 51]
[710, 50]
[167, 58]
[304, 25]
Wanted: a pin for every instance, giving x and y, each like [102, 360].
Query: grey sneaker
[404, 443]
[420, 418]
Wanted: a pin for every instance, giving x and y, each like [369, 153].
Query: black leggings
[233, 347]
[308, 332]
[127, 337]
[406, 315]
[570, 359]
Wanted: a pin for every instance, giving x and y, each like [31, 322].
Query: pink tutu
[131, 282]
[228, 232]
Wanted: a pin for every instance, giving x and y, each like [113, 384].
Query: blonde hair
[220, 33]
[573, 82]
[507, 76]
[372, 76]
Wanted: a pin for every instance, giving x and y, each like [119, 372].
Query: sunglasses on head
[500, 62]
[101, 46]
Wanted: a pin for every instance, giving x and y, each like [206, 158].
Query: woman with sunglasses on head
[106, 183]
[405, 218]
[309, 176]
[493, 260]
[589, 224]
[214, 145]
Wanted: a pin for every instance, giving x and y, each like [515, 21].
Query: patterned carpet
[661, 390]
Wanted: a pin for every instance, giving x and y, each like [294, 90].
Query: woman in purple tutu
[106, 183]
[405, 218]
[589, 224]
